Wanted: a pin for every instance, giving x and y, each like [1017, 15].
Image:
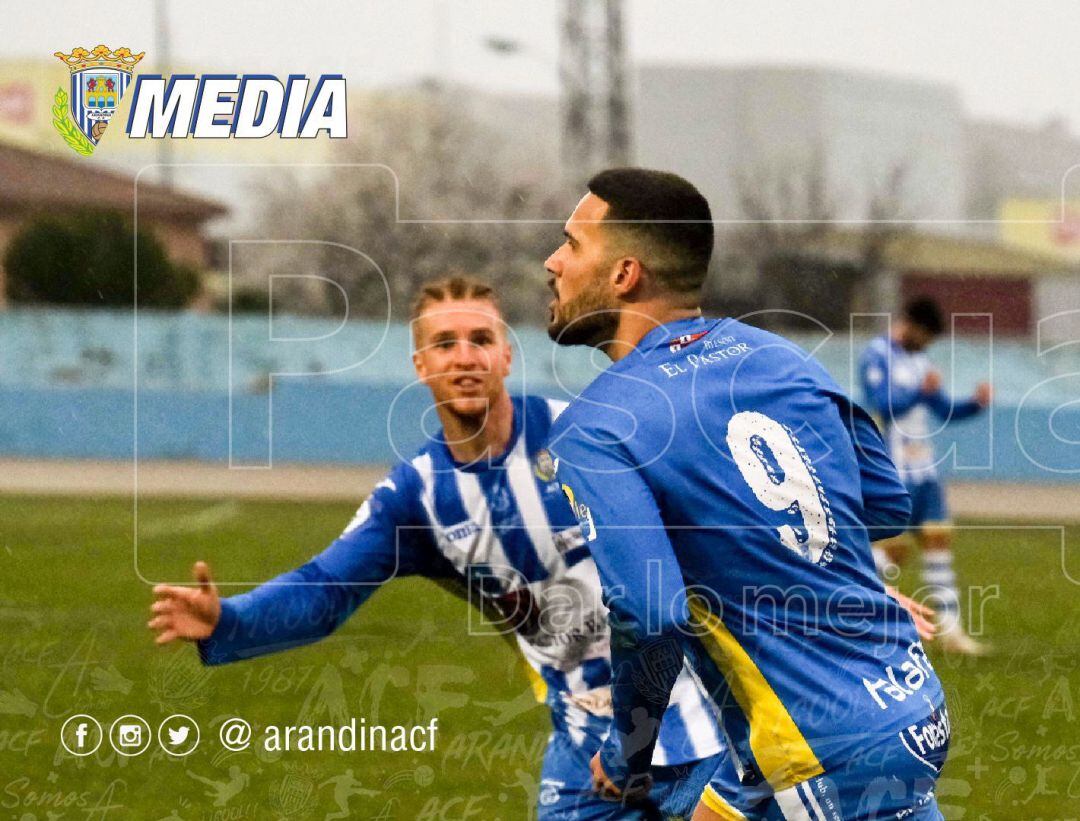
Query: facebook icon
[81, 735]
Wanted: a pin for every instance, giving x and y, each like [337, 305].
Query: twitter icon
[178, 735]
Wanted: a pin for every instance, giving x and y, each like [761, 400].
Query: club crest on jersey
[583, 515]
[683, 341]
[544, 465]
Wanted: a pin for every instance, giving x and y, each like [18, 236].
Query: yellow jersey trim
[782, 754]
[536, 681]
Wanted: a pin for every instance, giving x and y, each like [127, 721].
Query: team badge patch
[98, 81]
[544, 467]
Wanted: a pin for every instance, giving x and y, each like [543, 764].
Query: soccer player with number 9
[731, 491]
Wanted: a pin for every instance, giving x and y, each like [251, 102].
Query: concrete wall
[713, 124]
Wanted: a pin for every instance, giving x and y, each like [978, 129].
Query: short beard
[589, 320]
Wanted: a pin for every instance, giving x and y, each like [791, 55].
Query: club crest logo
[544, 466]
[98, 81]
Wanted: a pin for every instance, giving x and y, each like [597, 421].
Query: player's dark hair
[447, 288]
[669, 214]
[925, 312]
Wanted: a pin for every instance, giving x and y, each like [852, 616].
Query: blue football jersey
[891, 379]
[729, 491]
[502, 529]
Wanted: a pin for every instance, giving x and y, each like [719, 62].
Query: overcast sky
[1011, 59]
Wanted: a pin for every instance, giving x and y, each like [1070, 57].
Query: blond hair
[450, 288]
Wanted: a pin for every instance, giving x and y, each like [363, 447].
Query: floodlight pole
[163, 61]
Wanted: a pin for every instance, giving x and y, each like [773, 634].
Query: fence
[99, 384]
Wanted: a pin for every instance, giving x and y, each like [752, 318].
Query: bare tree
[802, 256]
[475, 196]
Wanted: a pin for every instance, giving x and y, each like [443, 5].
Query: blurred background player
[726, 485]
[478, 506]
[903, 389]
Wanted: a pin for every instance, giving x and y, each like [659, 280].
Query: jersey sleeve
[946, 409]
[883, 397]
[306, 604]
[642, 587]
[886, 502]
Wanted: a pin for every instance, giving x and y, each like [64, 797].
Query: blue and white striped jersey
[503, 528]
[892, 379]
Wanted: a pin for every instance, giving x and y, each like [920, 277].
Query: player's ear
[508, 352]
[417, 333]
[419, 365]
[626, 276]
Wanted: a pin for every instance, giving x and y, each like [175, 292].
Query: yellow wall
[1044, 226]
[26, 93]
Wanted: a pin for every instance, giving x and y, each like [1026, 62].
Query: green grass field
[73, 610]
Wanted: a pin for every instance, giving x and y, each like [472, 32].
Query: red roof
[35, 180]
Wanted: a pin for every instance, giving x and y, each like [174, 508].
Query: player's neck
[487, 436]
[638, 320]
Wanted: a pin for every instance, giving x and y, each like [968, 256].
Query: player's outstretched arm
[944, 407]
[302, 605]
[295, 608]
[189, 613]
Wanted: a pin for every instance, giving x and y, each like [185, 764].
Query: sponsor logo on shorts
[549, 791]
[928, 741]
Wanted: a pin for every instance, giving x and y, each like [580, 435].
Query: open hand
[606, 789]
[921, 614]
[189, 613]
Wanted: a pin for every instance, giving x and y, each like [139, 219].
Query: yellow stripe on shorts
[715, 802]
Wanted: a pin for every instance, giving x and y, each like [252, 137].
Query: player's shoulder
[760, 359]
[756, 352]
[398, 488]
[764, 342]
[876, 349]
[569, 416]
[408, 477]
[596, 415]
[394, 498]
[555, 407]
[539, 411]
